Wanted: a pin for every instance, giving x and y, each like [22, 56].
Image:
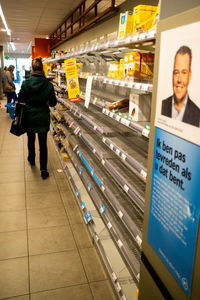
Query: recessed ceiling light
[4, 21]
[13, 46]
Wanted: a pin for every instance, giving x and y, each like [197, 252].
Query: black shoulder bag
[18, 125]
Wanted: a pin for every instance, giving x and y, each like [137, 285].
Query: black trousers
[42, 137]
[10, 97]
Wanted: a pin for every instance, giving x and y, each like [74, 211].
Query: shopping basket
[11, 109]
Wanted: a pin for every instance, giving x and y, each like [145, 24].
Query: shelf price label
[109, 225]
[88, 217]
[145, 132]
[143, 174]
[123, 156]
[125, 122]
[120, 244]
[114, 276]
[82, 205]
[138, 240]
[72, 80]
[142, 36]
[88, 91]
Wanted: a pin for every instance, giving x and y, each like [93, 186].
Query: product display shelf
[144, 86]
[135, 158]
[95, 122]
[100, 175]
[129, 41]
[118, 272]
[107, 148]
[136, 84]
[122, 238]
[121, 207]
[101, 103]
[139, 127]
[121, 204]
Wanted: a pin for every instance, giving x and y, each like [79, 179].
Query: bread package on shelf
[140, 107]
[119, 105]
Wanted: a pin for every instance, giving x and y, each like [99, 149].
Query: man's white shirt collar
[178, 115]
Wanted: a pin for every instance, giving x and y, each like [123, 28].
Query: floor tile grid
[5, 126]
[55, 161]
[27, 233]
[52, 174]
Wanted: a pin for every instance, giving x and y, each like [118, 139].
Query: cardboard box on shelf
[147, 61]
[144, 16]
[126, 65]
[121, 69]
[134, 64]
[139, 107]
[125, 24]
[113, 71]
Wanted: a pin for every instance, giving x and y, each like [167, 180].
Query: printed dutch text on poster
[175, 193]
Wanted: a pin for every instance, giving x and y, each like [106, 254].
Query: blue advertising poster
[175, 204]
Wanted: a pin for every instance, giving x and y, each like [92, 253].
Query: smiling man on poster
[179, 106]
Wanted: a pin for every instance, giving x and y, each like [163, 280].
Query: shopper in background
[9, 86]
[38, 94]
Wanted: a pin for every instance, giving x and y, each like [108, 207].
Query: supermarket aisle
[45, 249]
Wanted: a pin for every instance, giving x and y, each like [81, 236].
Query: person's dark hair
[185, 50]
[11, 68]
[37, 64]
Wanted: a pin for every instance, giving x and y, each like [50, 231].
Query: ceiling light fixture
[13, 46]
[4, 21]
[29, 46]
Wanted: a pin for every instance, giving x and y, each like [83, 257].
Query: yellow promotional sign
[45, 70]
[72, 80]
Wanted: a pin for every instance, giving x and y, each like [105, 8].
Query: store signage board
[174, 205]
[72, 80]
[88, 91]
[172, 81]
[174, 201]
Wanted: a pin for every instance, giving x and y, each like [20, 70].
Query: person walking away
[38, 94]
[9, 86]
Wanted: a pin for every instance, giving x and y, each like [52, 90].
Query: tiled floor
[45, 248]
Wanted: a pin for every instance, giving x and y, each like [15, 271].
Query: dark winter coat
[38, 94]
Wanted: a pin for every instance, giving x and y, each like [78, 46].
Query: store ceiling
[29, 19]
